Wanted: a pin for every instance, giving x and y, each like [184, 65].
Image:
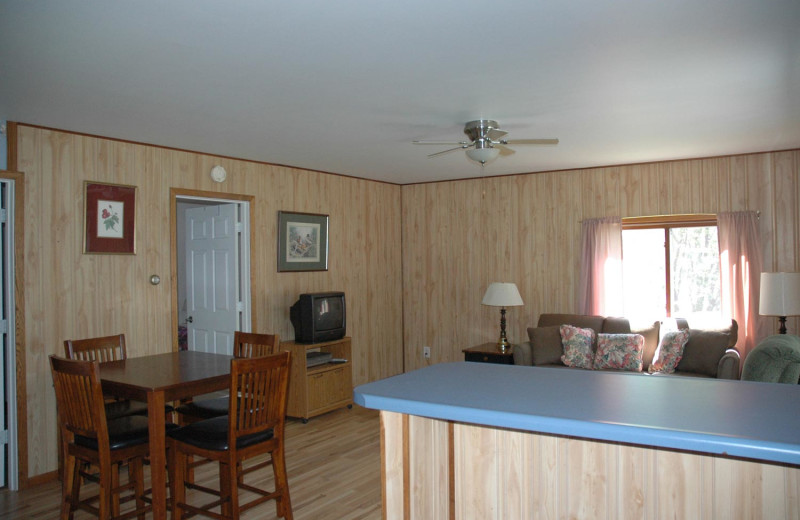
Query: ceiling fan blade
[442, 143]
[450, 150]
[504, 150]
[529, 141]
[495, 134]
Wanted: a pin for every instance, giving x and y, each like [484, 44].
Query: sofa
[708, 353]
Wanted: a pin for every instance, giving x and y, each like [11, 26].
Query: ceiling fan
[486, 141]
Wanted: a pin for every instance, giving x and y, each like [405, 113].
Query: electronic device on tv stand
[318, 358]
[318, 317]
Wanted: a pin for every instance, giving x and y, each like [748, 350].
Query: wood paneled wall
[71, 295]
[440, 469]
[457, 237]
[460, 236]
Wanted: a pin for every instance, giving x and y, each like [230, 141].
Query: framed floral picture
[302, 241]
[110, 218]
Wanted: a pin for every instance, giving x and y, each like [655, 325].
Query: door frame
[17, 459]
[174, 195]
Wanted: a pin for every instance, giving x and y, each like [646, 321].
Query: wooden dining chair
[245, 345]
[103, 350]
[91, 439]
[255, 426]
[106, 349]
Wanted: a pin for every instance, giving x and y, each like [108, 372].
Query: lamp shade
[500, 294]
[780, 294]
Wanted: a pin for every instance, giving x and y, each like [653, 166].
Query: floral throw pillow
[669, 351]
[619, 351]
[578, 345]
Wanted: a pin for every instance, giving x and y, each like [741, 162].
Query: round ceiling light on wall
[218, 174]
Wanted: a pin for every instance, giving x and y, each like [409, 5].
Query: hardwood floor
[333, 464]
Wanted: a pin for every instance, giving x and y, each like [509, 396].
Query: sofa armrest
[523, 354]
[728, 367]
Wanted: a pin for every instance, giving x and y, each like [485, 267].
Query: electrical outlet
[426, 351]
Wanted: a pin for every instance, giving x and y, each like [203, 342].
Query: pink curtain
[740, 274]
[600, 289]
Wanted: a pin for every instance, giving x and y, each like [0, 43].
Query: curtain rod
[679, 217]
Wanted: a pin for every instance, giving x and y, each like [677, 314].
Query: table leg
[158, 459]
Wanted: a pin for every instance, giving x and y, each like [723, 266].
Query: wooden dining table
[158, 379]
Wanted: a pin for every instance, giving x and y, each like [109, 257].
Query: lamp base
[503, 344]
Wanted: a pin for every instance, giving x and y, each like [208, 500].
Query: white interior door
[211, 278]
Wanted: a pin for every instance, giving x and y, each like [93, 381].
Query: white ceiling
[345, 86]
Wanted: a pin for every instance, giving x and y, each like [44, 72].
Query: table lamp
[502, 295]
[780, 296]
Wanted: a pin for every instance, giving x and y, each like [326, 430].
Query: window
[670, 267]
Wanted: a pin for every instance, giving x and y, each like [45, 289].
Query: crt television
[318, 317]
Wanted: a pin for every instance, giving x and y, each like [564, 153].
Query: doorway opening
[211, 297]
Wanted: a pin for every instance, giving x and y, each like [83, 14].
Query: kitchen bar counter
[620, 434]
[743, 419]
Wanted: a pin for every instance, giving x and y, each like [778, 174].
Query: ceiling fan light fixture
[483, 135]
[483, 155]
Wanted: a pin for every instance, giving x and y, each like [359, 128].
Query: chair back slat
[79, 398]
[259, 391]
[103, 349]
[250, 345]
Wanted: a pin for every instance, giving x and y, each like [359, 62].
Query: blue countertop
[736, 418]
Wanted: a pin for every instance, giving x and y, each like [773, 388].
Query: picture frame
[109, 225]
[302, 241]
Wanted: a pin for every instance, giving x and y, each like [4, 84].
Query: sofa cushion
[650, 333]
[669, 351]
[731, 328]
[680, 374]
[578, 346]
[733, 333]
[703, 351]
[616, 326]
[577, 320]
[619, 351]
[546, 346]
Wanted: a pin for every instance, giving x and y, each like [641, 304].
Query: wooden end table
[489, 353]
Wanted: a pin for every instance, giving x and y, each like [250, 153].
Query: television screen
[329, 313]
[319, 317]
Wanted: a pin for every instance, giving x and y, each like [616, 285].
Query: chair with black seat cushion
[255, 426]
[92, 439]
[245, 345]
[105, 349]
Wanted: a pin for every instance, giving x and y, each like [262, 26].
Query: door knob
[189, 320]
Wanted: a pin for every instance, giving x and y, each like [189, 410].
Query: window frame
[667, 222]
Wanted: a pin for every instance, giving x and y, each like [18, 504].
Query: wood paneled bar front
[474, 440]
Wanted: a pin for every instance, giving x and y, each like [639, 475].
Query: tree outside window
[671, 268]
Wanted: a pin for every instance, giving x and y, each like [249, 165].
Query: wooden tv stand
[322, 388]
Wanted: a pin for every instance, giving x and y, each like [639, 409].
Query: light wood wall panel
[73, 295]
[459, 236]
[454, 239]
[511, 474]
